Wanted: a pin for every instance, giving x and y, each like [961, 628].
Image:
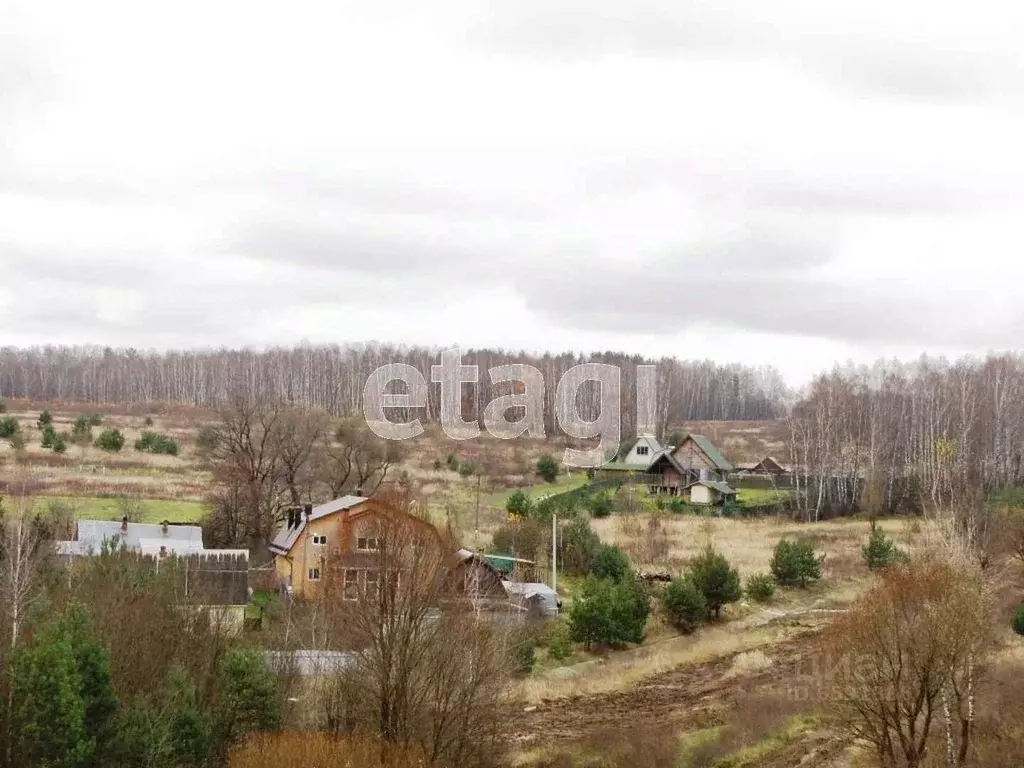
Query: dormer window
[642, 450]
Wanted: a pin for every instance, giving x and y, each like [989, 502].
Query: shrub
[601, 504]
[1018, 620]
[577, 546]
[794, 563]
[151, 442]
[525, 656]
[110, 440]
[760, 587]
[45, 419]
[466, 468]
[3, 407]
[609, 613]
[560, 643]
[82, 430]
[881, 551]
[9, 427]
[518, 505]
[610, 563]
[718, 581]
[453, 462]
[685, 604]
[522, 538]
[148, 421]
[49, 437]
[547, 468]
[60, 443]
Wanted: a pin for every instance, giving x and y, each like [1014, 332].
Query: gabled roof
[666, 455]
[710, 451]
[286, 537]
[182, 539]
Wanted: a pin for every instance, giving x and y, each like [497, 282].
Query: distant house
[471, 574]
[766, 466]
[215, 577]
[694, 463]
[342, 539]
[639, 457]
[344, 544]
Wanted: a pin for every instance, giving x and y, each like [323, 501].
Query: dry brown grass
[747, 543]
[627, 668]
[319, 750]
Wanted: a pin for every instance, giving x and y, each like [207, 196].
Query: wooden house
[766, 466]
[356, 545]
[694, 463]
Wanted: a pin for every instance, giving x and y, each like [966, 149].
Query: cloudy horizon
[791, 184]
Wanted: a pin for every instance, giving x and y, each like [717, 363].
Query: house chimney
[308, 509]
[359, 491]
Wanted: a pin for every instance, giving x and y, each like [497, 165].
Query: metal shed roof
[286, 537]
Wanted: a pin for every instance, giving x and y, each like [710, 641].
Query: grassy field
[539, 490]
[142, 510]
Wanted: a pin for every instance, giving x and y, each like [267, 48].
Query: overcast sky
[784, 182]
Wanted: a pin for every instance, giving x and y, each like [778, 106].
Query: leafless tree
[24, 553]
[357, 459]
[332, 378]
[423, 676]
[907, 654]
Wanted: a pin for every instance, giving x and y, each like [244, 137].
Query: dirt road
[691, 698]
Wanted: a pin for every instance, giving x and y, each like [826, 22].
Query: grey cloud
[391, 247]
[85, 267]
[605, 300]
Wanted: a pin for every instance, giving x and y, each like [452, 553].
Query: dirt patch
[694, 697]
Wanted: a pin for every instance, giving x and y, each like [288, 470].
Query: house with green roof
[695, 469]
[638, 458]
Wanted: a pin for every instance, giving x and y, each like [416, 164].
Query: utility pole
[554, 552]
[476, 529]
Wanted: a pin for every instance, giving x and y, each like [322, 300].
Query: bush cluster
[9, 427]
[151, 442]
[609, 613]
[710, 583]
[794, 563]
[547, 468]
[760, 587]
[110, 440]
[881, 551]
[1018, 620]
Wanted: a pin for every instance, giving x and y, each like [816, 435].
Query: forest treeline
[898, 437]
[333, 377]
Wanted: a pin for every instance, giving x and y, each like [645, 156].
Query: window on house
[351, 584]
[641, 450]
[368, 544]
[319, 539]
[371, 583]
[314, 574]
